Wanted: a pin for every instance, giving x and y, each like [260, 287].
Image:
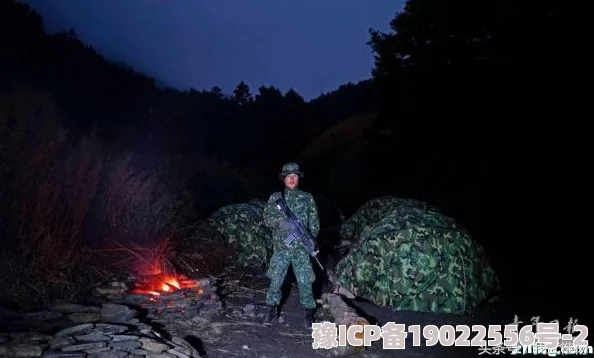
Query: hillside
[128, 109]
[345, 137]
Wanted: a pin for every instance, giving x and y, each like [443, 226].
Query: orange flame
[169, 284]
[165, 283]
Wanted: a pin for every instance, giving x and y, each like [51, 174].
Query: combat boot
[307, 318]
[272, 315]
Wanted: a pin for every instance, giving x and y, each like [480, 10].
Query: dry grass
[58, 197]
[73, 213]
[134, 258]
[47, 189]
[200, 251]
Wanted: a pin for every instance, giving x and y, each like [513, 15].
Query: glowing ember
[170, 284]
[155, 285]
[167, 295]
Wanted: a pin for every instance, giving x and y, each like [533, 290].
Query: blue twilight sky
[313, 46]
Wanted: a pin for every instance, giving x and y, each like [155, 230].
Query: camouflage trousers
[277, 271]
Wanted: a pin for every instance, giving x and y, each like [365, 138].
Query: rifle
[298, 230]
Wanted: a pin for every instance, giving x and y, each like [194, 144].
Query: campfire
[166, 296]
[157, 287]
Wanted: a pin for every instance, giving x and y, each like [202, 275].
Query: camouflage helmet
[290, 168]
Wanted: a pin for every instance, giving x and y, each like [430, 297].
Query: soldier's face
[291, 181]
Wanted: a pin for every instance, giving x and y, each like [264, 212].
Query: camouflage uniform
[302, 204]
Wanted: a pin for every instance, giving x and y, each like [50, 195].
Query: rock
[104, 328]
[162, 355]
[110, 354]
[73, 308]
[99, 340]
[142, 352]
[153, 346]
[178, 354]
[123, 338]
[76, 330]
[109, 290]
[83, 346]
[97, 350]
[94, 337]
[141, 326]
[184, 347]
[107, 331]
[344, 315]
[125, 346]
[248, 310]
[61, 341]
[111, 312]
[42, 316]
[150, 333]
[84, 317]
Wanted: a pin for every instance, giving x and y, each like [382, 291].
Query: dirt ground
[238, 331]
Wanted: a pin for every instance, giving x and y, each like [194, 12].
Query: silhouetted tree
[241, 93]
[269, 96]
[217, 92]
[293, 97]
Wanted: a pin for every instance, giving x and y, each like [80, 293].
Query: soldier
[302, 204]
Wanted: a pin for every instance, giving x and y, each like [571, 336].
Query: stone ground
[242, 334]
[108, 330]
[235, 331]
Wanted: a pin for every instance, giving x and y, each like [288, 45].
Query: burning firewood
[157, 286]
[168, 296]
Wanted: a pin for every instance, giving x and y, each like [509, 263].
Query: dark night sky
[312, 46]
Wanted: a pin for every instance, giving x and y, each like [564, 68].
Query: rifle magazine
[290, 238]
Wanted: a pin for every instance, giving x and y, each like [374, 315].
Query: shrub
[60, 196]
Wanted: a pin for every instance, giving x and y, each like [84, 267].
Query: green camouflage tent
[407, 255]
[372, 212]
[242, 225]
